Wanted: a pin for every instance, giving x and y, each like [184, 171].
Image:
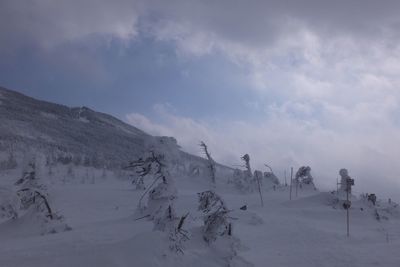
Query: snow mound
[319, 199]
[32, 224]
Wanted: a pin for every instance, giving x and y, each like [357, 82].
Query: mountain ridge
[72, 133]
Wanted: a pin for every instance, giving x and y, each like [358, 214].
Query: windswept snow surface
[307, 231]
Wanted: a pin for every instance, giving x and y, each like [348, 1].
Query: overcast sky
[291, 83]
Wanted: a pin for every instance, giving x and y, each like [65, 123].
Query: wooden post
[291, 181]
[285, 177]
[348, 215]
[259, 189]
[337, 186]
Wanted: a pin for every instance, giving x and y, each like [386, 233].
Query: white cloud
[283, 141]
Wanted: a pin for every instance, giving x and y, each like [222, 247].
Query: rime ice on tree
[243, 179]
[211, 163]
[162, 196]
[304, 178]
[344, 177]
[216, 221]
[270, 177]
[33, 198]
[160, 205]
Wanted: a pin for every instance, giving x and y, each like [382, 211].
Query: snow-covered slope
[308, 231]
[64, 134]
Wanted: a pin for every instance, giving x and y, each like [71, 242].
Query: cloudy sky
[302, 82]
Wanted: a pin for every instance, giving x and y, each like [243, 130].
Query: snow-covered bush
[216, 221]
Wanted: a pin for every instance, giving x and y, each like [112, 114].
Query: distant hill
[79, 135]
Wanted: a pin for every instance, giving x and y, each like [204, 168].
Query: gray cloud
[49, 23]
[253, 23]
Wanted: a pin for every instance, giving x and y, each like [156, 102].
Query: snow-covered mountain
[65, 134]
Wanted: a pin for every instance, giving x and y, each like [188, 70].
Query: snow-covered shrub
[216, 221]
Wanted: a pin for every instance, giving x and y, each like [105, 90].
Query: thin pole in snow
[337, 186]
[259, 190]
[291, 181]
[348, 214]
[285, 177]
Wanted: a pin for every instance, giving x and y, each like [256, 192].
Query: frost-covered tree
[216, 220]
[270, 176]
[344, 178]
[210, 164]
[303, 177]
[162, 196]
[160, 206]
[243, 179]
[246, 159]
[30, 190]
[33, 198]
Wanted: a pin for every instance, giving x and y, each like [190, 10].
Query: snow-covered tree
[246, 159]
[33, 197]
[210, 164]
[270, 177]
[303, 177]
[30, 190]
[160, 206]
[344, 178]
[216, 220]
[243, 179]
